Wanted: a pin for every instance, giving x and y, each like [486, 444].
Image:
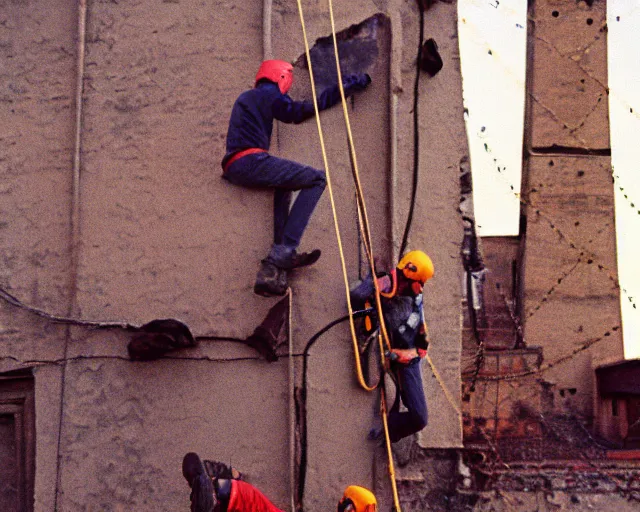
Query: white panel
[623, 21]
[493, 40]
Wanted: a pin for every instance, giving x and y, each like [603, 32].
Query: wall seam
[75, 229]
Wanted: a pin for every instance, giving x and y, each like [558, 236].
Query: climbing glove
[355, 82]
[402, 356]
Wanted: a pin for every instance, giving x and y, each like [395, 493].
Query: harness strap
[239, 154]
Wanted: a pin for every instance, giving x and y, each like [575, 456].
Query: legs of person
[302, 209]
[414, 419]
[266, 171]
[281, 207]
[288, 176]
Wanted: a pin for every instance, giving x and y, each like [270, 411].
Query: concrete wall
[571, 296]
[161, 235]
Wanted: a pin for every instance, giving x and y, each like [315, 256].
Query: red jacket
[246, 498]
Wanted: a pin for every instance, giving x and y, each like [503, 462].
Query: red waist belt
[240, 154]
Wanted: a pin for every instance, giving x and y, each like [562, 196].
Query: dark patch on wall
[357, 46]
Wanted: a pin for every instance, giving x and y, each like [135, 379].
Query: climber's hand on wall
[356, 82]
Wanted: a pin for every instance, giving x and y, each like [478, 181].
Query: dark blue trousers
[414, 419]
[262, 170]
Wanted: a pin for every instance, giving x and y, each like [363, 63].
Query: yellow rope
[447, 393]
[392, 471]
[364, 226]
[362, 218]
[354, 339]
[363, 223]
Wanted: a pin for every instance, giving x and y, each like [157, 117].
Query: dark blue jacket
[253, 113]
[403, 314]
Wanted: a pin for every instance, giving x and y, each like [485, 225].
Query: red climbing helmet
[278, 71]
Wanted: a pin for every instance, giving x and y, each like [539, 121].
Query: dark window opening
[17, 441]
[614, 407]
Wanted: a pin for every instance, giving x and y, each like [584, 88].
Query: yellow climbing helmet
[357, 499]
[417, 266]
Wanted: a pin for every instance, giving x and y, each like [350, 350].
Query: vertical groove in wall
[292, 407]
[518, 293]
[267, 47]
[395, 88]
[75, 226]
[75, 199]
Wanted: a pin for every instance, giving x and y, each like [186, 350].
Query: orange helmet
[417, 266]
[277, 71]
[357, 499]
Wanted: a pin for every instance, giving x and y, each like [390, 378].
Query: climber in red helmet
[247, 163]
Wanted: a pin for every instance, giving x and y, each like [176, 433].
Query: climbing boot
[271, 280]
[304, 259]
[216, 469]
[203, 494]
[288, 258]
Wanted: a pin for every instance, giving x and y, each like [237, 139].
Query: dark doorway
[633, 414]
[17, 441]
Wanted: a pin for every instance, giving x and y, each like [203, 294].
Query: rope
[352, 328]
[364, 226]
[292, 406]
[362, 206]
[303, 395]
[416, 134]
[391, 468]
[363, 223]
[363, 219]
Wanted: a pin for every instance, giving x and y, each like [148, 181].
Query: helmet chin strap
[346, 505]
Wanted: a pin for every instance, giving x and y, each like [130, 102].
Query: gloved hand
[356, 82]
[402, 356]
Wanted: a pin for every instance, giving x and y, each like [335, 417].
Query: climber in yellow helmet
[401, 299]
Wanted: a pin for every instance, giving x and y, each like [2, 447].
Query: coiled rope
[354, 339]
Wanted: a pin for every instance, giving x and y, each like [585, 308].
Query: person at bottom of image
[213, 493]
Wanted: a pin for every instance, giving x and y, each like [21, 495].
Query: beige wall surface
[162, 235]
[570, 284]
[37, 86]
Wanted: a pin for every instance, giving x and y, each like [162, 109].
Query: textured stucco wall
[37, 85]
[161, 235]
